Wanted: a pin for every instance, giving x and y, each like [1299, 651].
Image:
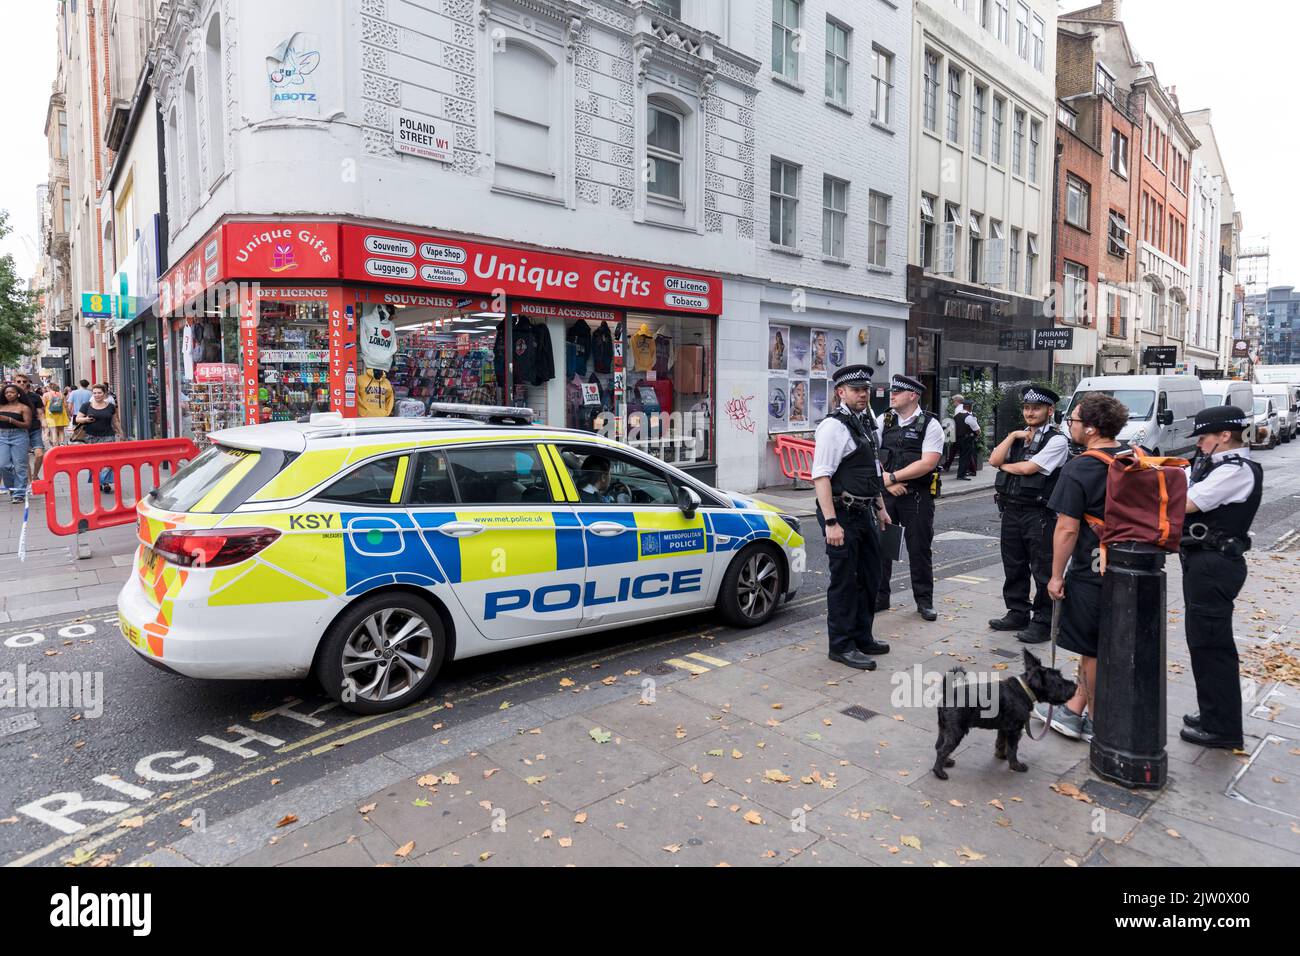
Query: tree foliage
[18, 306]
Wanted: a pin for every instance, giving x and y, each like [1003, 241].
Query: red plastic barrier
[106, 510]
[796, 455]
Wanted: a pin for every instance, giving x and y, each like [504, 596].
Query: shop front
[274, 321]
[962, 338]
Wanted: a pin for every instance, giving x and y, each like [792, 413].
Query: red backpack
[1146, 500]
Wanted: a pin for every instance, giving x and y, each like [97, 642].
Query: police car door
[644, 556]
[494, 517]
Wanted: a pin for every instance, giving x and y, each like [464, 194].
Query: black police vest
[901, 446]
[962, 426]
[856, 474]
[1033, 489]
[1232, 520]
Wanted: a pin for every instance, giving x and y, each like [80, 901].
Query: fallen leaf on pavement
[485, 804]
[706, 777]
[1070, 790]
[565, 842]
[580, 818]
[776, 776]
[610, 679]
[912, 841]
[488, 773]
[997, 803]
[405, 850]
[428, 780]
[135, 823]
[485, 856]
[680, 732]
[600, 736]
[672, 847]
[714, 753]
[1174, 833]
[736, 754]
[547, 834]
[287, 819]
[969, 854]
[956, 803]
[368, 808]
[534, 780]
[753, 817]
[566, 682]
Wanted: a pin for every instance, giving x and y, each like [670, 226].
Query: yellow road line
[687, 666]
[716, 662]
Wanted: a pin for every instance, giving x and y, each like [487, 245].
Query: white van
[1283, 398]
[1222, 391]
[1161, 408]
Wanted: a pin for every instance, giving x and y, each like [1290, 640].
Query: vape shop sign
[423, 136]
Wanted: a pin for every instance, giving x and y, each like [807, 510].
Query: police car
[371, 551]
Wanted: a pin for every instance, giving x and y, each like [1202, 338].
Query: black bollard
[1128, 745]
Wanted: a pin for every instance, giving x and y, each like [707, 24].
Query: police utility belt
[1201, 537]
[852, 502]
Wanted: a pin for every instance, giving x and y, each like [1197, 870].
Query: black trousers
[915, 512]
[1026, 541]
[855, 572]
[1211, 582]
[966, 463]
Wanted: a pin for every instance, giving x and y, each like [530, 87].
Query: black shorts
[1081, 615]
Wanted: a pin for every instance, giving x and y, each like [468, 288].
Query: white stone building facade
[625, 132]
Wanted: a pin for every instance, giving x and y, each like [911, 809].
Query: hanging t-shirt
[378, 338]
[525, 346]
[602, 348]
[643, 349]
[689, 369]
[663, 353]
[577, 348]
[374, 396]
[543, 354]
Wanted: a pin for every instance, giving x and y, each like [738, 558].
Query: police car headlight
[793, 522]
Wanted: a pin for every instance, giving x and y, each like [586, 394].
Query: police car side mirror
[688, 501]
[1166, 417]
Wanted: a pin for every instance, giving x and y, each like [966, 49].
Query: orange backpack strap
[1095, 523]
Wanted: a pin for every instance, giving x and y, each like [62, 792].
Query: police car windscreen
[189, 485]
[1139, 403]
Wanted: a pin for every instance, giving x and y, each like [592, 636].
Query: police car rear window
[205, 482]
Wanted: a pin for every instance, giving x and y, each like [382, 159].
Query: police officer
[1225, 488]
[846, 477]
[1028, 463]
[911, 443]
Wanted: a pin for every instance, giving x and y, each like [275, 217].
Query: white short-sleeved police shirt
[1052, 455]
[933, 438]
[1225, 485]
[834, 442]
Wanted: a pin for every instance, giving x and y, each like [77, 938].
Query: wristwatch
[893, 477]
[832, 522]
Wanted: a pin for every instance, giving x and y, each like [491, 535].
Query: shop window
[499, 474]
[442, 355]
[605, 477]
[431, 484]
[208, 393]
[293, 359]
[375, 483]
[661, 402]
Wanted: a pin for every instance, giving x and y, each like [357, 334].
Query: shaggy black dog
[961, 710]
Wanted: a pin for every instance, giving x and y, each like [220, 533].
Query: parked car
[1161, 408]
[1283, 402]
[1221, 391]
[1268, 424]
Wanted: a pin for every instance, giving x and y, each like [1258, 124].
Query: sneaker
[1067, 723]
[1086, 733]
[1039, 712]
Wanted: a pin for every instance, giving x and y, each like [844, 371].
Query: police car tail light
[213, 548]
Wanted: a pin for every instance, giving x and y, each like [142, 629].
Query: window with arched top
[526, 123]
[213, 88]
[190, 117]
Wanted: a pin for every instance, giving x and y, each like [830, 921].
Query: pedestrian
[56, 416]
[78, 397]
[911, 442]
[37, 405]
[846, 479]
[1081, 491]
[99, 418]
[1028, 463]
[1225, 488]
[967, 429]
[949, 442]
[15, 429]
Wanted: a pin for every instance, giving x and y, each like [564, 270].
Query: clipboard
[891, 542]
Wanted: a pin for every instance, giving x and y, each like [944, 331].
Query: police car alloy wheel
[382, 653]
[751, 590]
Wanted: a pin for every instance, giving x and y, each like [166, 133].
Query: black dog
[957, 716]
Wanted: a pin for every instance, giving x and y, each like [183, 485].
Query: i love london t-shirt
[378, 339]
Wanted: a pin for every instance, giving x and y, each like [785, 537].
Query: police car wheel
[382, 653]
[751, 590]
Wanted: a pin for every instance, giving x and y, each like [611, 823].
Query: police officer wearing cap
[846, 477]
[1224, 490]
[1028, 463]
[911, 444]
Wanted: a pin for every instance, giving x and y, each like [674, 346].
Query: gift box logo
[283, 259]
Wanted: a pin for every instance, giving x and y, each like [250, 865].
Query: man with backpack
[1079, 502]
[911, 443]
[1225, 488]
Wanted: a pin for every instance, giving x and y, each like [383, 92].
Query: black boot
[1011, 621]
[854, 659]
[1035, 633]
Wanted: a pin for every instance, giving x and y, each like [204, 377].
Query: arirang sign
[1053, 338]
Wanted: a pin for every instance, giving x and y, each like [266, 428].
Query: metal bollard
[1128, 746]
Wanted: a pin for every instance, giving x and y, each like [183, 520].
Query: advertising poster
[838, 353]
[778, 404]
[799, 358]
[798, 403]
[778, 346]
[820, 353]
[817, 399]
